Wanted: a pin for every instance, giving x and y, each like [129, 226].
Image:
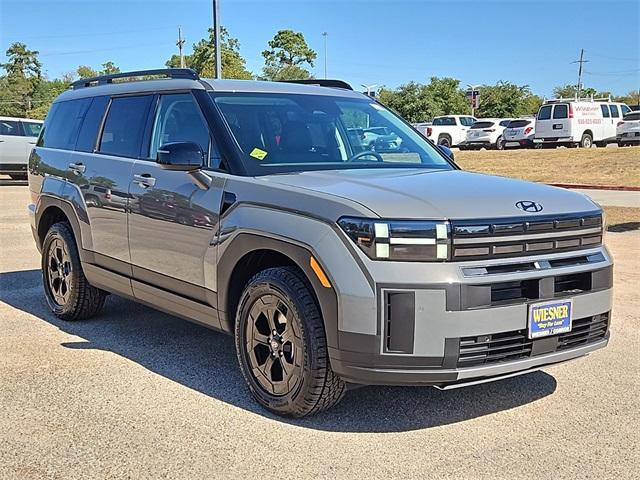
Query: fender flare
[246, 242]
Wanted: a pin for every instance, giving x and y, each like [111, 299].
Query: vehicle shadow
[204, 360]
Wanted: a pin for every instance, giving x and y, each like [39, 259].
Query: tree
[84, 71]
[44, 95]
[570, 91]
[23, 75]
[287, 54]
[631, 98]
[505, 100]
[22, 63]
[417, 102]
[202, 58]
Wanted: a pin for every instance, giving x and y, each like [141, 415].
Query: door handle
[145, 180]
[77, 168]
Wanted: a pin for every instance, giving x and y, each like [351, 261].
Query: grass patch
[593, 166]
[622, 219]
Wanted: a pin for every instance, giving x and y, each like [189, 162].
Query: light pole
[472, 88]
[216, 38]
[325, 35]
[369, 88]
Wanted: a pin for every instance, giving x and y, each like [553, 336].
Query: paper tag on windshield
[258, 154]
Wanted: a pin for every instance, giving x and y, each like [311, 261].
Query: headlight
[399, 240]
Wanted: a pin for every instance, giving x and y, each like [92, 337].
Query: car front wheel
[281, 345]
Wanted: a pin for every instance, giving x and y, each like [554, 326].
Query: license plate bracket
[549, 318]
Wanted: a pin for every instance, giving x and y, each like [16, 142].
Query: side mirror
[447, 151]
[181, 156]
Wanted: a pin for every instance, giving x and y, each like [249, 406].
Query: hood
[417, 193]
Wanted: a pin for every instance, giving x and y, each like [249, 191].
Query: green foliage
[287, 54]
[631, 98]
[506, 100]
[109, 68]
[417, 102]
[569, 91]
[22, 63]
[84, 71]
[44, 95]
[202, 58]
[23, 75]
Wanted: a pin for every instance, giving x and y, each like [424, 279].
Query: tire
[93, 201]
[499, 144]
[586, 141]
[600, 144]
[299, 344]
[67, 291]
[444, 140]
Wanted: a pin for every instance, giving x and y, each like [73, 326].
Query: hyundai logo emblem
[529, 206]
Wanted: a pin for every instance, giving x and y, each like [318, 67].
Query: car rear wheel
[586, 141]
[67, 291]
[281, 345]
[499, 143]
[444, 140]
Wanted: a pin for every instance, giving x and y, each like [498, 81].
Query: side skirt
[153, 297]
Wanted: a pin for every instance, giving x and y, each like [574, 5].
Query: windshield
[292, 132]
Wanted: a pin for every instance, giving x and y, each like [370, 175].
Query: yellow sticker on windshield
[257, 153]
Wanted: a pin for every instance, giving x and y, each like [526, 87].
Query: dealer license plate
[550, 318]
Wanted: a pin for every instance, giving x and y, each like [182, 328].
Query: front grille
[535, 235]
[515, 345]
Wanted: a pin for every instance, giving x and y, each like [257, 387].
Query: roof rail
[186, 73]
[577, 99]
[321, 83]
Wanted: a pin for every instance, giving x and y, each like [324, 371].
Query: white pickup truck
[449, 130]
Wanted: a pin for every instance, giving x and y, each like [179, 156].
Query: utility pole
[325, 35]
[180, 44]
[581, 62]
[216, 38]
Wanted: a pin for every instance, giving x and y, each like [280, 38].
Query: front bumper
[357, 371]
[470, 327]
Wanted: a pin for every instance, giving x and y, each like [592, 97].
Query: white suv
[486, 133]
[628, 130]
[17, 138]
[520, 133]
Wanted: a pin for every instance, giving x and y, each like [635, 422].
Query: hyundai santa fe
[256, 209]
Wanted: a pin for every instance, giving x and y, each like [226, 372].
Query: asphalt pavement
[135, 393]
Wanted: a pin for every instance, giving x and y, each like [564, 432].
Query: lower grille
[514, 345]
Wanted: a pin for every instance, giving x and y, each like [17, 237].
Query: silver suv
[256, 209]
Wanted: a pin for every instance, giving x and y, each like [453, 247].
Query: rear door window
[605, 111]
[614, 111]
[124, 126]
[467, 121]
[91, 124]
[544, 113]
[63, 124]
[560, 112]
[31, 129]
[10, 127]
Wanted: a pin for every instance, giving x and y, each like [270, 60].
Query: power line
[93, 34]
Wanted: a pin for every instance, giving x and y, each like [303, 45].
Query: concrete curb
[625, 188]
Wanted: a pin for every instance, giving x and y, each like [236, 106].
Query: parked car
[450, 130]
[519, 133]
[487, 133]
[583, 122]
[628, 129]
[17, 138]
[330, 264]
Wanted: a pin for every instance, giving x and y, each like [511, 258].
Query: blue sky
[374, 41]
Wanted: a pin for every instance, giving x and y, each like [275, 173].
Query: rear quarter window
[63, 123]
[544, 113]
